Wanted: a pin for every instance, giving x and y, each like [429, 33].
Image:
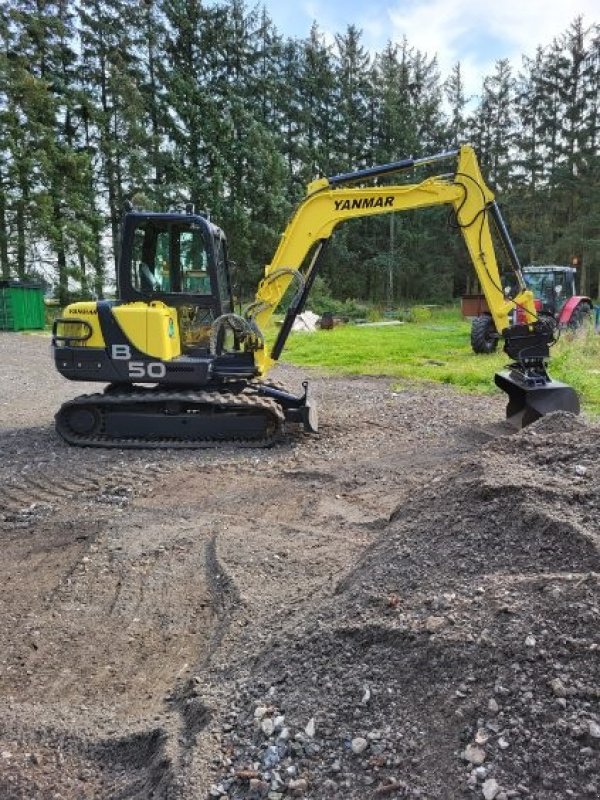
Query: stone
[259, 712]
[480, 773]
[278, 722]
[490, 789]
[297, 787]
[310, 728]
[530, 641]
[503, 743]
[482, 736]
[271, 757]
[358, 745]
[434, 624]
[267, 726]
[558, 687]
[257, 785]
[580, 470]
[473, 754]
[493, 706]
[594, 729]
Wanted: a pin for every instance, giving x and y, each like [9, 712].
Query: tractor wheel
[580, 318]
[484, 338]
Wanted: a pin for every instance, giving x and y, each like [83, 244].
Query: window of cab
[170, 258]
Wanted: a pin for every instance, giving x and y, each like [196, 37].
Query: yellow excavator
[184, 370]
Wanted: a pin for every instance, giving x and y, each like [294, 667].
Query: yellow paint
[86, 311]
[151, 328]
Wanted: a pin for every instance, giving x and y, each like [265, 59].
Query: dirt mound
[459, 657]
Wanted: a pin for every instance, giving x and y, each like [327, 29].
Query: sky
[475, 33]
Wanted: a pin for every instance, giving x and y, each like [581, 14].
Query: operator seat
[149, 282]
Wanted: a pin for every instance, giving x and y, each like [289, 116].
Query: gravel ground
[406, 605]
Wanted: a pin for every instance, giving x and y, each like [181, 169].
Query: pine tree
[457, 100]
[109, 32]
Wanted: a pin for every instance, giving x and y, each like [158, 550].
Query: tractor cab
[552, 286]
[181, 261]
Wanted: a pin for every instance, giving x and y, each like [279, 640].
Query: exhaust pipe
[530, 398]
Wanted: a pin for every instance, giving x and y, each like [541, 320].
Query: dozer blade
[528, 401]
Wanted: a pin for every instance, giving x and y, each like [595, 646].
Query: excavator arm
[331, 201]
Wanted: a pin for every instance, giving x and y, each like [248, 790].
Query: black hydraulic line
[507, 242]
[298, 305]
[387, 169]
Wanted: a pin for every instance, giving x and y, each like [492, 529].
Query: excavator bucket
[528, 401]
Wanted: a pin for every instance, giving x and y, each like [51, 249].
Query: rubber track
[120, 402]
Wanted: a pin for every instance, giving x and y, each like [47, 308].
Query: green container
[21, 306]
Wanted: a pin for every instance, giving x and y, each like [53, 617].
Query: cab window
[170, 258]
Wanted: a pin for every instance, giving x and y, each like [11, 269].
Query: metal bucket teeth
[526, 403]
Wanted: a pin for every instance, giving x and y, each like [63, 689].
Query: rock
[272, 757]
[259, 712]
[358, 745]
[482, 736]
[297, 787]
[490, 789]
[216, 791]
[267, 726]
[530, 641]
[503, 743]
[558, 687]
[594, 729]
[366, 696]
[278, 722]
[580, 470]
[474, 754]
[284, 735]
[493, 706]
[434, 624]
[256, 785]
[310, 728]
[480, 773]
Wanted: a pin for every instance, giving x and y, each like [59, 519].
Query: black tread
[103, 404]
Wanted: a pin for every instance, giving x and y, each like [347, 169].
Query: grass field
[438, 349]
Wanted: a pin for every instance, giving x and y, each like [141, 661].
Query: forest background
[165, 102]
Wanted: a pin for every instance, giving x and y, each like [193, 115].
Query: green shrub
[420, 314]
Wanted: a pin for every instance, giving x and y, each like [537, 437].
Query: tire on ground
[580, 317]
[484, 338]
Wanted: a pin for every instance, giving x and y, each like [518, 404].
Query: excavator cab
[181, 261]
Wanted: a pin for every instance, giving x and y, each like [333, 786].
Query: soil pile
[459, 659]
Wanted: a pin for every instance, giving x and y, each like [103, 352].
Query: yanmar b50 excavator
[184, 370]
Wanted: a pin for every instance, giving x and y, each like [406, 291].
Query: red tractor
[556, 300]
